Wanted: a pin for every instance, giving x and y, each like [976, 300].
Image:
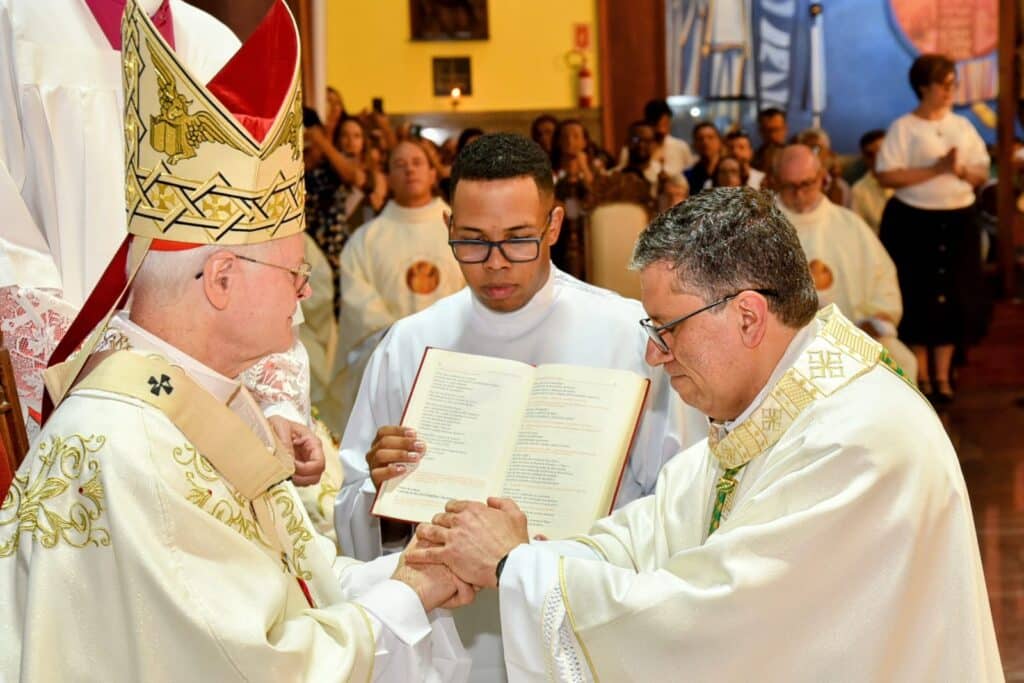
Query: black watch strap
[499, 568]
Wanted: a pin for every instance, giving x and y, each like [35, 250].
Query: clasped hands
[456, 555]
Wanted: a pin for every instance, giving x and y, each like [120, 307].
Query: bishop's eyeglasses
[655, 332]
[513, 250]
[300, 275]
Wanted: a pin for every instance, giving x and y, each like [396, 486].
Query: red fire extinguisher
[586, 85]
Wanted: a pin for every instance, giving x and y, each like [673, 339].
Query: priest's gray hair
[722, 241]
[165, 275]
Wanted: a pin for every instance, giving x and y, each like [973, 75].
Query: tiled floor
[986, 425]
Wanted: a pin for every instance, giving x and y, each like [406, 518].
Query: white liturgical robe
[852, 269]
[846, 550]
[395, 265]
[126, 555]
[567, 321]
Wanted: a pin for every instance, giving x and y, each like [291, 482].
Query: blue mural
[865, 47]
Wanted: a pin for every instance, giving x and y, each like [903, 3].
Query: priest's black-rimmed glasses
[301, 274]
[654, 332]
[514, 249]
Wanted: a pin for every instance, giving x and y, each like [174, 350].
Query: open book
[554, 438]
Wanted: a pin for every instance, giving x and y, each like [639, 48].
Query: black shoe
[925, 387]
[943, 395]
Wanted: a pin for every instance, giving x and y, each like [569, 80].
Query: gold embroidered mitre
[219, 163]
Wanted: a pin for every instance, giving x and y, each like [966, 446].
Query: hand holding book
[553, 438]
[391, 453]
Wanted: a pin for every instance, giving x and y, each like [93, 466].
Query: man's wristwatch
[499, 567]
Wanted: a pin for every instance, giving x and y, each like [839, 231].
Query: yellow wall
[521, 66]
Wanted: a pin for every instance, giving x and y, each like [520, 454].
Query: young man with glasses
[517, 306]
[821, 532]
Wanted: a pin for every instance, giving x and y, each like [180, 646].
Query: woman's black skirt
[938, 262]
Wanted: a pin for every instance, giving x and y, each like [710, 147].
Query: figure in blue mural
[776, 52]
[710, 48]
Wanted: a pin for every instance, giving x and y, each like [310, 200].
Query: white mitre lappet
[215, 163]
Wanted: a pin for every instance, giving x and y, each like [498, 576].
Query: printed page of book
[467, 410]
[572, 446]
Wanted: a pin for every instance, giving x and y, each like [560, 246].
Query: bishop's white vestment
[844, 550]
[852, 269]
[567, 321]
[126, 554]
[395, 265]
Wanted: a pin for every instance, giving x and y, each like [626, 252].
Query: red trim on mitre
[169, 245]
[254, 83]
[104, 296]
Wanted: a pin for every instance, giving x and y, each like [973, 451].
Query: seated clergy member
[849, 266]
[154, 511]
[517, 306]
[822, 532]
[395, 265]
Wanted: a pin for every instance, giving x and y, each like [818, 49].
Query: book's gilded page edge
[405, 409]
[608, 503]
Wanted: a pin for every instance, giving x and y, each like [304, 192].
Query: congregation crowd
[892, 235]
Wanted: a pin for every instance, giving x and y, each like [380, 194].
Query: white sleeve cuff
[358, 578]
[286, 410]
[567, 549]
[530, 573]
[399, 610]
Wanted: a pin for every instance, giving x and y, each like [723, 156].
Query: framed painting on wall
[448, 19]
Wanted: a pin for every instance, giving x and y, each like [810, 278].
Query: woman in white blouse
[934, 159]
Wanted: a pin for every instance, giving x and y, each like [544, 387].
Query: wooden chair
[612, 233]
[13, 437]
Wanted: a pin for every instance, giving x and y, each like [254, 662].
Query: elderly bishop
[154, 511]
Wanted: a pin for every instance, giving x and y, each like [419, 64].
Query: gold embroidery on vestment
[329, 491]
[296, 528]
[45, 503]
[231, 509]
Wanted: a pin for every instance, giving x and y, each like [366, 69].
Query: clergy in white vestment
[822, 532]
[395, 265]
[867, 196]
[849, 266]
[61, 152]
[154, 513]
[868, 199]
[517, 306]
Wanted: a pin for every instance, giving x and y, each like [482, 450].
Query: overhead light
[437, 135]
